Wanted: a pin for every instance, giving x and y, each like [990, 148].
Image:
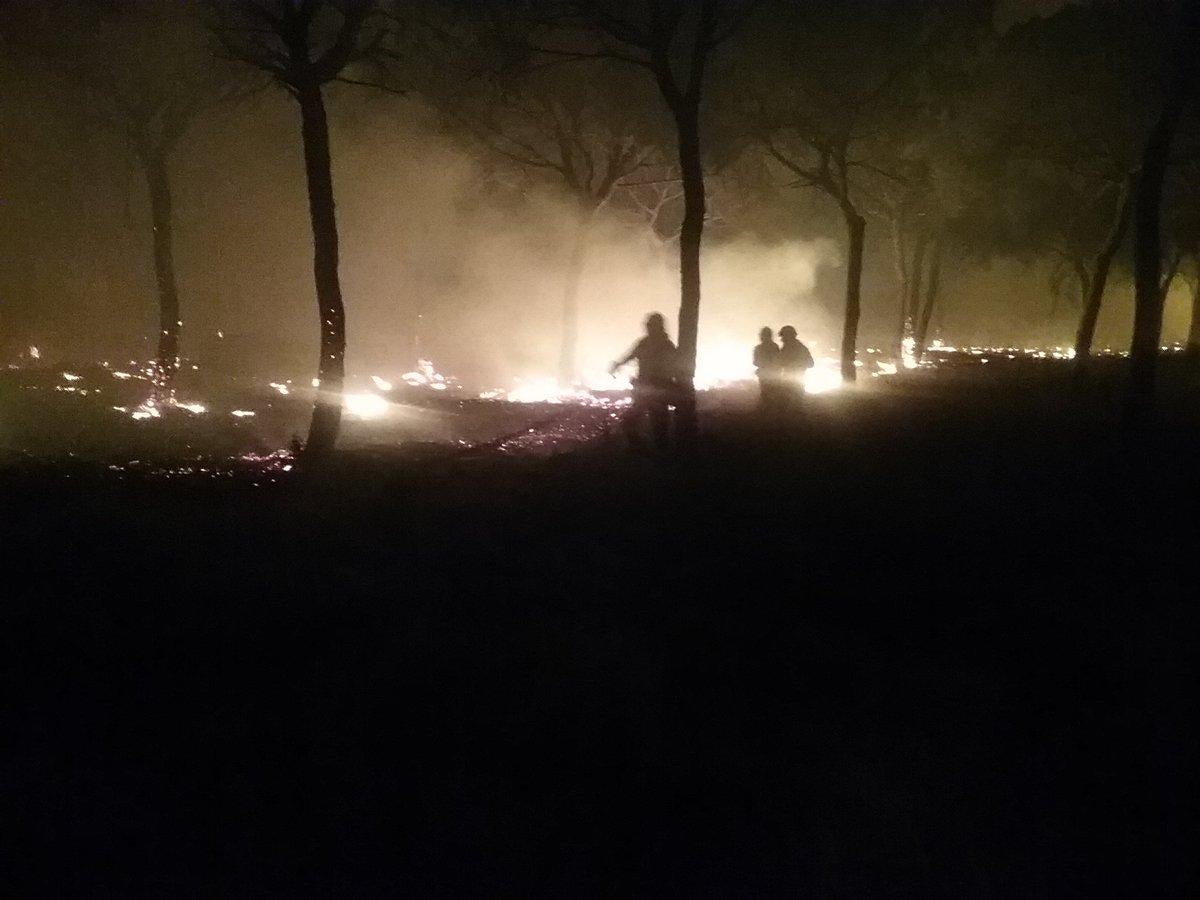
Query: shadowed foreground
[932, 642]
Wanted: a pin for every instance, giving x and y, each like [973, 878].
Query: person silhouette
[655, 355]
[794, 362]
[766, 367]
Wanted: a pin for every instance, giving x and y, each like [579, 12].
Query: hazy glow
[365, 406]
[382, 383]
[824, 377]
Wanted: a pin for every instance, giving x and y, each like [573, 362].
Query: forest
[339, 561]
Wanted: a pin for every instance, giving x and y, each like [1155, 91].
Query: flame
[365, 406]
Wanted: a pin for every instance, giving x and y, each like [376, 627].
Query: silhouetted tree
[1180, 90]
[1069, 99]
[584, 135]
[837, 95]
[144, 72]
[304, 45]
[673, 40]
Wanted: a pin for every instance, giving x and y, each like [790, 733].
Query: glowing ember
[242, 413]
[123, 376]
[908, 352]
[381, 383]
[71, 376]
[195, 409]
[280, 387]
[34, 352]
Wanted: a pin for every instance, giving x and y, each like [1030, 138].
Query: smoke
[444, 258]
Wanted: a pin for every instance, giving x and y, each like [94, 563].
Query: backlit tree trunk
[900, 261]
[1086, 333]
[568, 358]
[931, 295]
[1148, 299]
[857, 227]
[331, 367]
[161, 218]
[912, 308]
[690, 233]
[1193, 338]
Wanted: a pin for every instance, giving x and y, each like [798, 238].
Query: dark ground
[936, 641]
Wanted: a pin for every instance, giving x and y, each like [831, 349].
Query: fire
[365, 406]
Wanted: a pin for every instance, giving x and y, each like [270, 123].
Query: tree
[673, 40]
[142, 72]
[1180, 89]
[304, 45]
[584, 135]
[1070, 105]
[827, 96]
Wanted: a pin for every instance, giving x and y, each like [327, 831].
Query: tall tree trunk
[1086, 332]
[857, 227]
[1147, 262]
[687, 121]
[161, 217]
[900, 261]
[568, 349]
[931, 294]
[1148, 299]
[1193, 338]
[331, 367]
[917, 270]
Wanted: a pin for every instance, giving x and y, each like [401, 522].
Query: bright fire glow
[365, 406]
[382, 383]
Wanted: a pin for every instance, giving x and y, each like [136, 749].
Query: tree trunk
[331, 367]
[1086, 333]
[1148, 298]
[1193, 338]
[690, 233]
[161, 218]
[857, 227]
[900, 260]
[687, 122]
[931, 294]
[917, 269]
[568, 350]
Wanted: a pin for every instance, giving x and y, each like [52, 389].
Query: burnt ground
[934, 639]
